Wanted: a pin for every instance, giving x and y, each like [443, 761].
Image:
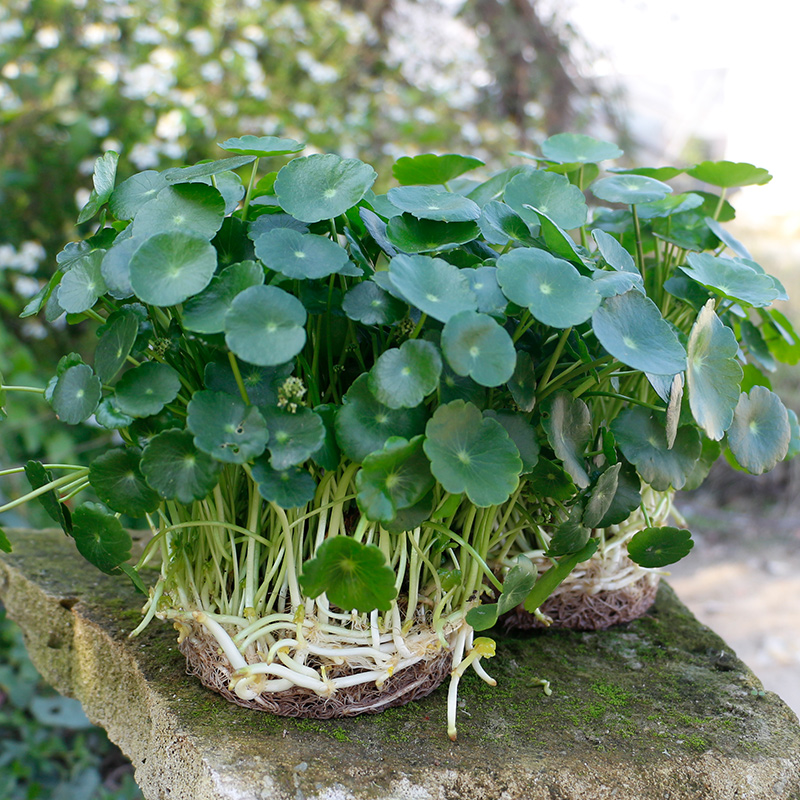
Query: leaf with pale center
[629, 189]
[476, 346]
[146, 389]
[288, 488]
[731, 279]
[75, 394]
[551, 194]
[760, 434]
[578, 148]
[117, 480]
[100, 537]
[659, 547]
[293, 437]
[713, 375]
[404, 376]
[261, 146]
[427, 202]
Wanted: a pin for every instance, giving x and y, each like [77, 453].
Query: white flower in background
[201, 40]
[170, 126]
[9, 101]
[25, 286]
[164, 58]
[144, 156]
[318, 72]
[82, 197]
[99, 126]
[111, 144]
[47, 37]
[86, 167]
[98, 33]
[303, 110]
[169, 25]
[10, 70]
[107, 70]
[145, 80]
[146, 34]
[26, 259]
[174, 150]
[10, 30]
[212, 72]
[255, 33]
[246, 50]
[33, 329]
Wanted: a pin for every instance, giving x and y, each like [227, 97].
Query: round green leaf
[551, 194]
[630, 189]
[713, 375]
[109, 416]
[312, 188]
[169, 268]
[577, 148]
[548, 479]
[115, 343]
[261, 146]
[567, 422]
[551, 288]
[483, 282]
[176, 469]
[117, 480]
[669, 206]
[412, 235]
[293, 437]
[472, 454]
[226, 428]
[75, 394]
[83, 284]
[146, 389]
[189, 208]
[100, 537]
[396, 477]
[205, 312]
[475, 345]
[363, 423]
[500, 224]
[425, 202]
[404, 376]
[432, 285]
[642, 438]
[352, 575]
[287, 488]
[732, 279]
[726, 174]
[433, 169]
[659, 173]
[367, 303]
[630, 327]
[264, 326]
[760, 434]
[135, 192]
[300, 255]
[659, 547]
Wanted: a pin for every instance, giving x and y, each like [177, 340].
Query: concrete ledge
[659, 708]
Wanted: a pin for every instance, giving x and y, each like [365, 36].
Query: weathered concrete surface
[659, 709]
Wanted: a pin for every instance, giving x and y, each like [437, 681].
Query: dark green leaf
[293, 437]
[367, 303]
[411, 235]
[548, 479]
[118, 482]
[226, 428]
[327, 455]
[287, 488]
[38, 476]
[300, 255]
[567, 422]
[626, 499]
[260, 383]
[517, 585]
[146, 389]
[76, 394]
[472, 454]
[352, 575]
[5, 545]
[523, 382]
[483, 617]
[522, 433]
[115, 268]
[500, 224]
[571, 535]
[110, 417]
[115, 344]
[659, 547]
[601, 496]
[100, 537]
[176, 469]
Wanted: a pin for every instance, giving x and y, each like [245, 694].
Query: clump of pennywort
[361, 427]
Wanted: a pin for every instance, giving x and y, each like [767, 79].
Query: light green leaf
[264, 326]
[630, 189]
[363, 423]
[552, 289]
[133, 193]
[117, 480]
[433, 169]
[475, 345]
[483, 282]
[760, 434]
[100, 537]
[115, 267]
[83, 284]
[731, 278]
[426, 202]
[577, 148]
[613, 252]
[630, 327]
[201, 173]
[317, 187]
[300, 255]
[726, 174]
[404, 376]
[146, 389]
[205, 312]
[472, 454]
[226, 428]
[499, 224]
[168, 268]
[352, 575]
[187, 208]
[669, 206]
[261, 146]
[396, 477]
[659, 547]
[551, 194]
[105, 172]
[432, 285]
[176, 469]
[713, 375]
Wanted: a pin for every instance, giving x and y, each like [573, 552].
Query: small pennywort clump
[361, 427]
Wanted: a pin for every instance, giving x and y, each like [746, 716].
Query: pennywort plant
[360, 427]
